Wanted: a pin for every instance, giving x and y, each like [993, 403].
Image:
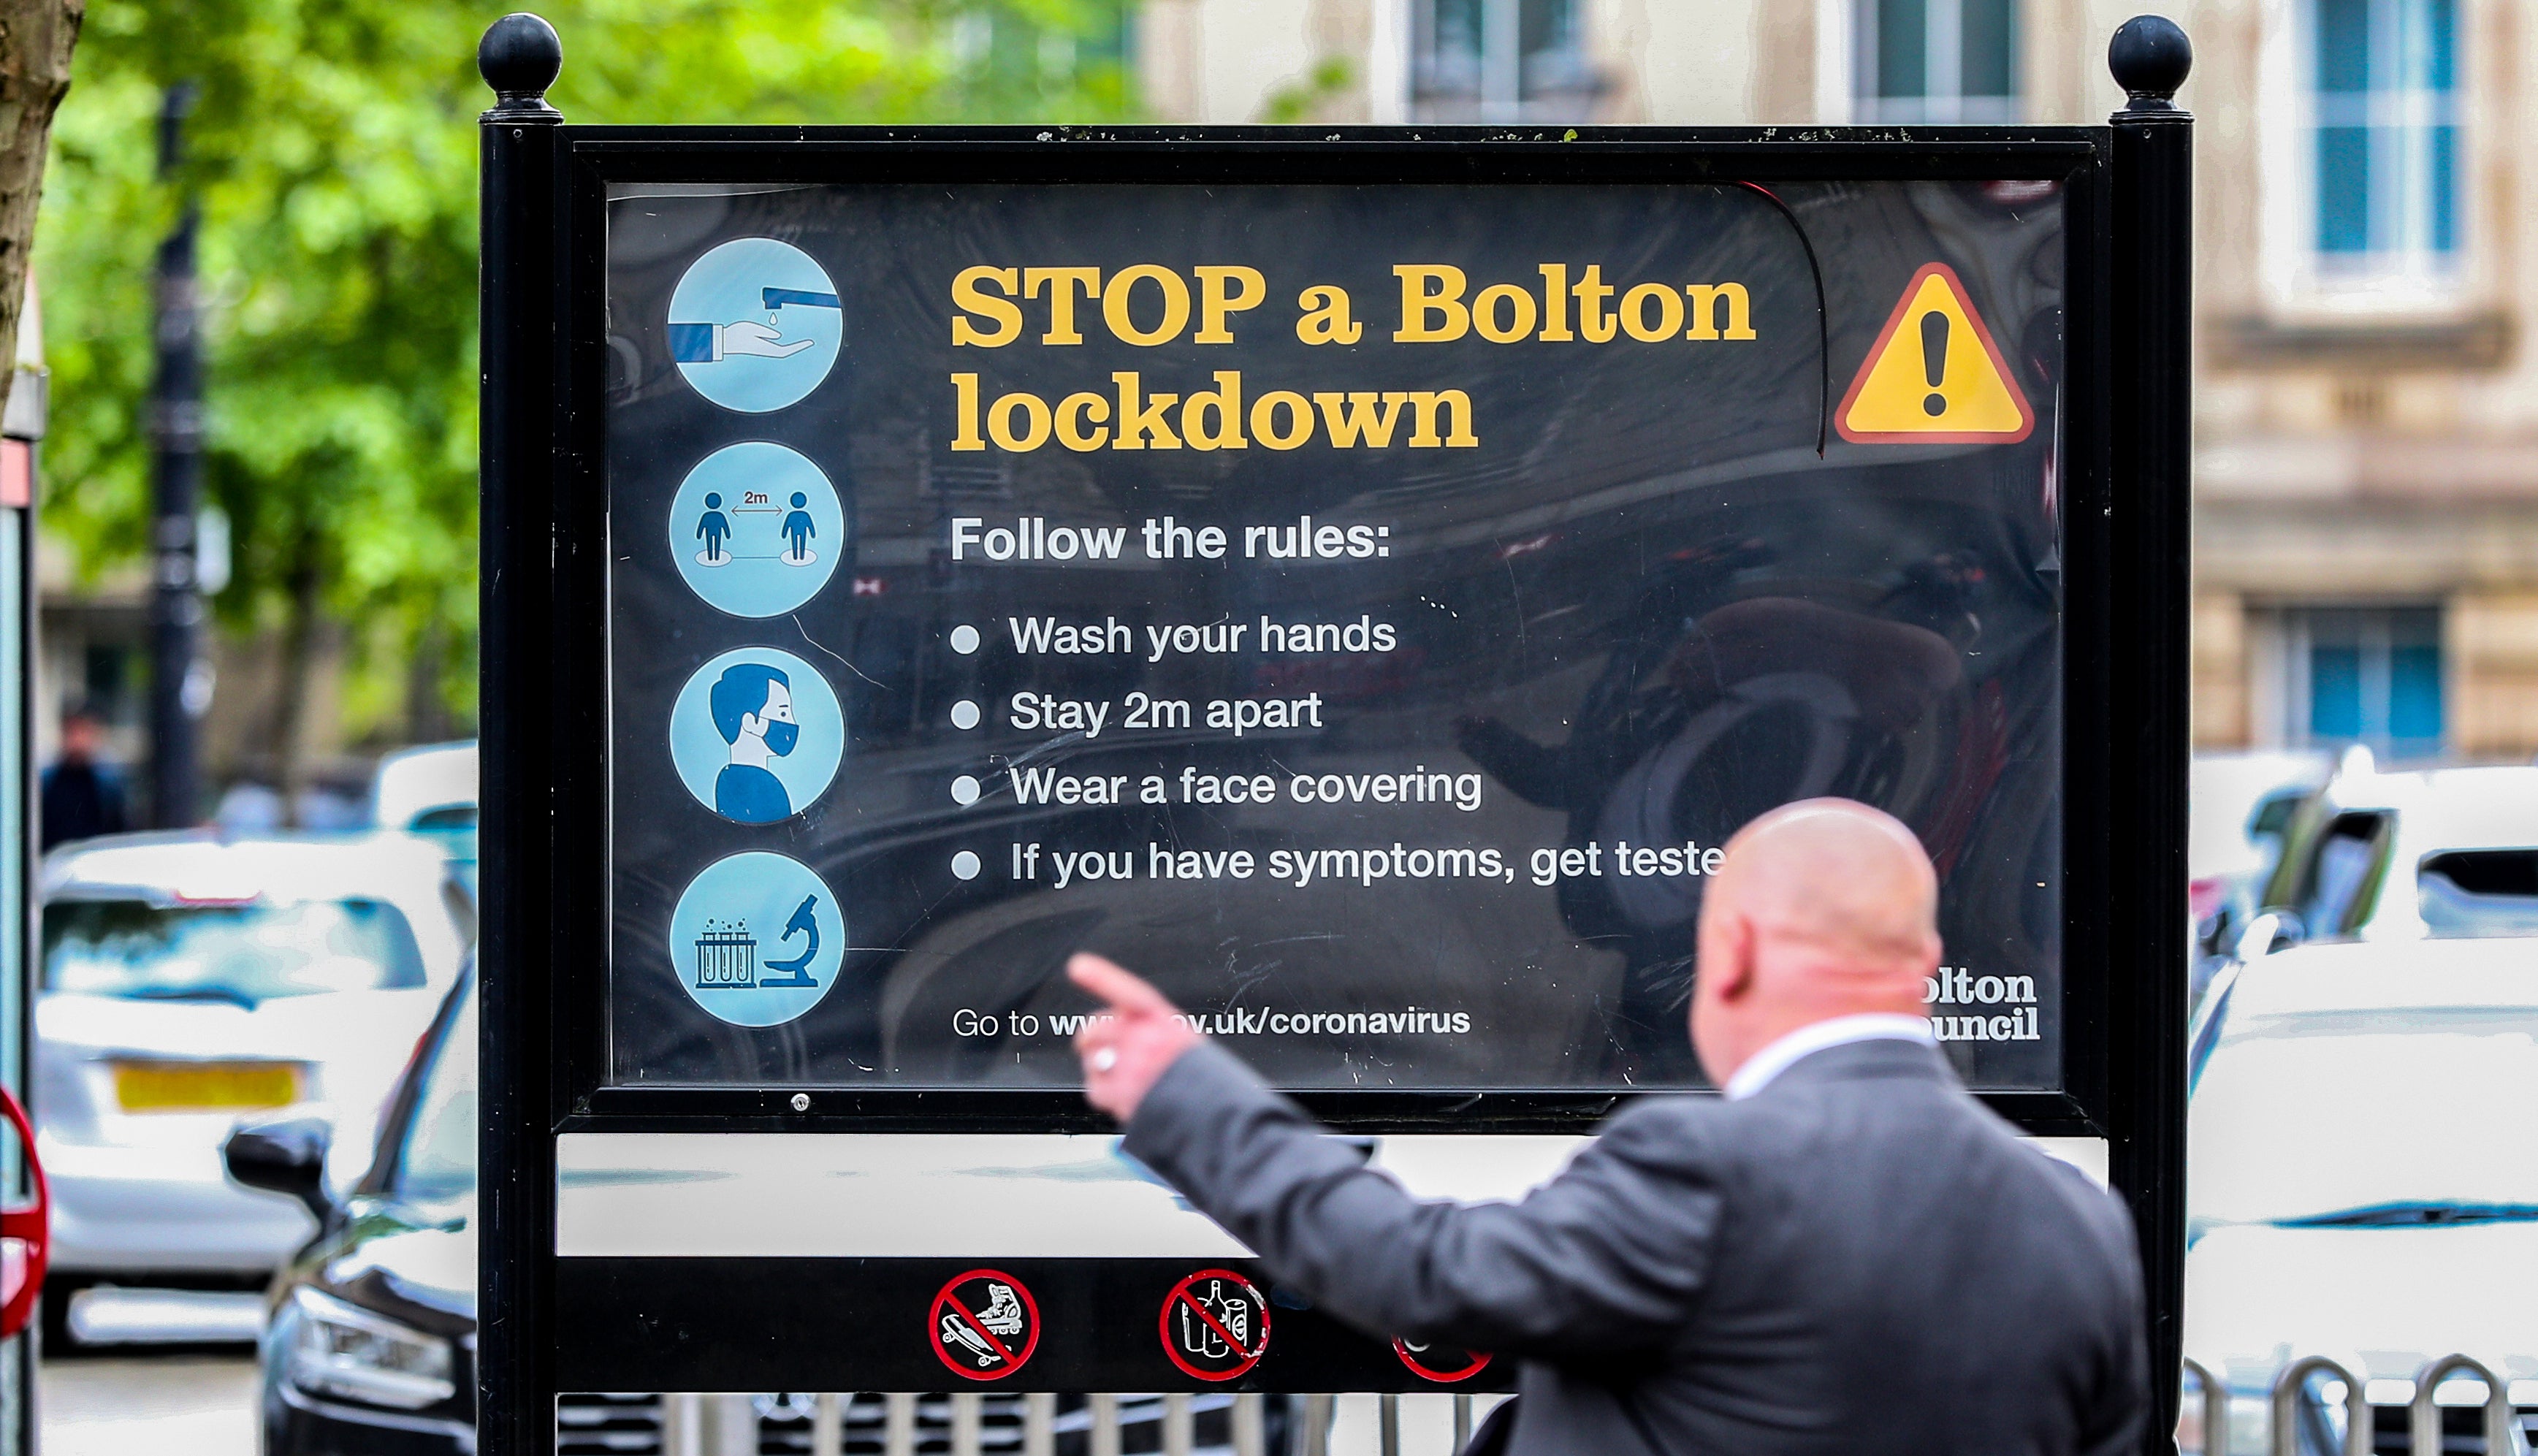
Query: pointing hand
[747, 337]
[1133, 1040]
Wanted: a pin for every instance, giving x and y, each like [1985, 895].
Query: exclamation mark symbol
[1934, 360]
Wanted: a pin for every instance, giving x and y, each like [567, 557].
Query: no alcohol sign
[984, 1324]
[1216, 1324]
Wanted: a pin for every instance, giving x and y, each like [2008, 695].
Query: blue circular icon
[757, 529]
[757, 735]
[755, 325]
[757, 939]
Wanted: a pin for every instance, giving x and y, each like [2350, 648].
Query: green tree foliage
[333, 153]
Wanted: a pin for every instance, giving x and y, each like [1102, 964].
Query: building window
[2384, 135]
[1937, 60]
[1500, 61]
[2364, 674]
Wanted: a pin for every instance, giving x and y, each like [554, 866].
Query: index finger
[1130, 994]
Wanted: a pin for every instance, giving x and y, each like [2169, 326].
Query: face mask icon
[753, 710]
[756, 735]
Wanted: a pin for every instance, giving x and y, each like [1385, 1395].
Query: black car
[370, 1339]
[370, 1343]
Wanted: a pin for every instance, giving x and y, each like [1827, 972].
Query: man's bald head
[1819, 910]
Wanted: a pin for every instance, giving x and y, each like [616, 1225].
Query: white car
[2439, 854]
[2363, 1188]
[2236, 805]
[431, 791]
[186, 981]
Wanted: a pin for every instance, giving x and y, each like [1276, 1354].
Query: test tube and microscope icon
[727, 954]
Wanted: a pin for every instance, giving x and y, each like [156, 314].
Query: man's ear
[1735, 971]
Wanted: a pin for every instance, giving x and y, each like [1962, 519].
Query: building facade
[2367, 466]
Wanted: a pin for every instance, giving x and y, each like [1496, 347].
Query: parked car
[2361, 1187]
[185, 980]
[2238, 806]
[370, 1328]
[2442, 853]
[369, 1337]
[431, 791]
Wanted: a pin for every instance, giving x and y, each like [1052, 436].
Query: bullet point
[965, 791]
[965, 866]
[965, 714]
[964, 640]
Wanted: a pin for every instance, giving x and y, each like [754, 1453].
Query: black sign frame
[544, 847]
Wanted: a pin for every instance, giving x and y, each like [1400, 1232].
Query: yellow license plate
[205, 1087]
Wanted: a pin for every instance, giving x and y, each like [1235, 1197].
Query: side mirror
[2280, 929]
[287, 1157]
[2256, 938]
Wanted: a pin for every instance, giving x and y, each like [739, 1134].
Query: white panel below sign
[959, 1196]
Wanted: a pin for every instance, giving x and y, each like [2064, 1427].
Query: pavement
[142, 1405]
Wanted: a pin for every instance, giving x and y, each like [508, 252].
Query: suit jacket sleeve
[1609, 1256]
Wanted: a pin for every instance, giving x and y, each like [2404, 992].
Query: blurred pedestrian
[82, 794]
[1843, 1254]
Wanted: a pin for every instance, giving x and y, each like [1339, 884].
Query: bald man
[1846, 1253]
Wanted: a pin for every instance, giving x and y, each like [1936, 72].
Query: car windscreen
[2475, 893]
[2365, 1117]
[2340, 876]
[452, 826]
[240, 954]
[436, 1162]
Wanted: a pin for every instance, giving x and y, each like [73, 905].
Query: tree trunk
[291, 695]
[427, 715]
[35, 39]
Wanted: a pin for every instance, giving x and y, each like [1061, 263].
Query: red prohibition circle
[953, 1312]
[1201, 1340]
[1431, 1363]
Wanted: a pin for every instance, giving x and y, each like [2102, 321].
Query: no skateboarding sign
[984, 1325]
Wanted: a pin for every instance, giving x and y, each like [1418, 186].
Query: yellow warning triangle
[1934, 377]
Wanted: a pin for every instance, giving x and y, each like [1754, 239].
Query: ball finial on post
[519, 57]
[2150, 57]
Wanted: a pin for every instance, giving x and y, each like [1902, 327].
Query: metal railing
[2298, 1410]
[980, 1423]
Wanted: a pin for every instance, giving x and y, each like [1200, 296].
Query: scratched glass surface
[1395, 783]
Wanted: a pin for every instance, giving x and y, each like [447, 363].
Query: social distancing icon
[1934, 376]
[755, 529]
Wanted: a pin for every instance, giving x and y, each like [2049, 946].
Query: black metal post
[519, 57]
[2152, 294]
[179, 684]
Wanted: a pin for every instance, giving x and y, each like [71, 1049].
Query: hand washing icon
[755, 325]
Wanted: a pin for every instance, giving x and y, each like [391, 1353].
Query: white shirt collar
[1878, 1026]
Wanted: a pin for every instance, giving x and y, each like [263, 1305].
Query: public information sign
[1360, 582]
[1366, 609]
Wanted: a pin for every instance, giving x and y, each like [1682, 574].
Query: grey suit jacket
[1861, 1258]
